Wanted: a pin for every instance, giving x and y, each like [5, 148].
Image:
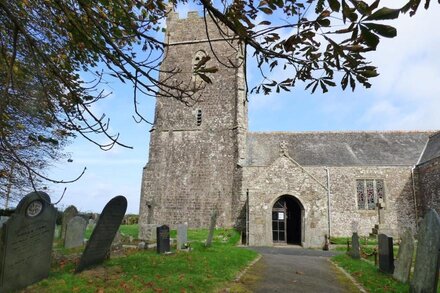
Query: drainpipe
[414, 195]
[247, 217]
[328, 201]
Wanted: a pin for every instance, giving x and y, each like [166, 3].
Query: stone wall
[192, 168]
[428, 180]
[266, 184]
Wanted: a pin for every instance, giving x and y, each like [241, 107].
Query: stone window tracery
[369, 192]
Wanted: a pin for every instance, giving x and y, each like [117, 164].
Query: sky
[405, 96]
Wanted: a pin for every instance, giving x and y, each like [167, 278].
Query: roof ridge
[431, 132]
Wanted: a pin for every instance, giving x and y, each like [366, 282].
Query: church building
[276, 187]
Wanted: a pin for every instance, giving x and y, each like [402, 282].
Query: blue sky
[404, 97]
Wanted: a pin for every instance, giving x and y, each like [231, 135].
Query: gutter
[328, 202]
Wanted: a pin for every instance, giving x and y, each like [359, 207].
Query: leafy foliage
[44, 45]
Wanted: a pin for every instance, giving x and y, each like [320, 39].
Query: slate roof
[432, 149]
[339, 148]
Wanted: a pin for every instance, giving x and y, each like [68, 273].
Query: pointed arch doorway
[287, 221]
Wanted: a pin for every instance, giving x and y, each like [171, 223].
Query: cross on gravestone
[404, 257]
[75, 231]
[100, 241]
[182, 236]
[163, 239]
[68, 214]
[426, 268]
[386, 257]
[211, 227]
[355, 247]
[26, 242]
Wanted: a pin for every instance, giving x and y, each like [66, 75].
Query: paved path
[294, 269]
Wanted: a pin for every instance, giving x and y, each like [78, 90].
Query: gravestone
[91, 224]
[68, 214]
[182, 236]
[163, 239]
[57, 233]
[426, 269]
[75, 231]
[404, 257]
[386, 256]
[212, 227]
[355, 247]
[150, 233]
[3, 220]
[26, 242]
[100, 241]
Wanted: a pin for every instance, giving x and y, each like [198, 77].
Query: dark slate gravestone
[75, 231]
[404, 257]
[102, 236]
[68, 214]
[26, 242]
[211, 227]
[426, 269]
[386, 257]
[355, 247]
[163, 239]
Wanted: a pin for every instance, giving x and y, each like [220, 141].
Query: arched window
[196, 66]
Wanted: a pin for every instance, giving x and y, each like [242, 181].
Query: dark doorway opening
[286, 220]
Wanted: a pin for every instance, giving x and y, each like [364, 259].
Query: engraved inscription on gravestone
[102, 236]
[26, 242]
[163, 239]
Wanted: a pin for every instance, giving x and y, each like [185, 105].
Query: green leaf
[384, 13]
[386, 31]
[334, 5]
[372, 40]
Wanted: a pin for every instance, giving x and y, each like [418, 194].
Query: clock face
[34, 208]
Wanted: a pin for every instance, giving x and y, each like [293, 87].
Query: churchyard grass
[369, 276]
[200, 270]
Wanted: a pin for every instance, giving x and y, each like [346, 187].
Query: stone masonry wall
[267, 183]
[428, 182]
[192, 169]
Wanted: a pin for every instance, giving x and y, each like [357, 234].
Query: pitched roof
[338, 148]
[432, 149]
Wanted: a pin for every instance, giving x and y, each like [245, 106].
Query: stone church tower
[195, 146]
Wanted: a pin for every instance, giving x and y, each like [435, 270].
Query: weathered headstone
[404, 257]
[102, 236]
[91, 224]
[26, 242]
[150, 233]
[163, 239]
[68, 214]
[182, 236]
[3, 220]
[426, 269]
[211, 227]
[386, 256]
[57, 233]
[355, 247]
[75, 231]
